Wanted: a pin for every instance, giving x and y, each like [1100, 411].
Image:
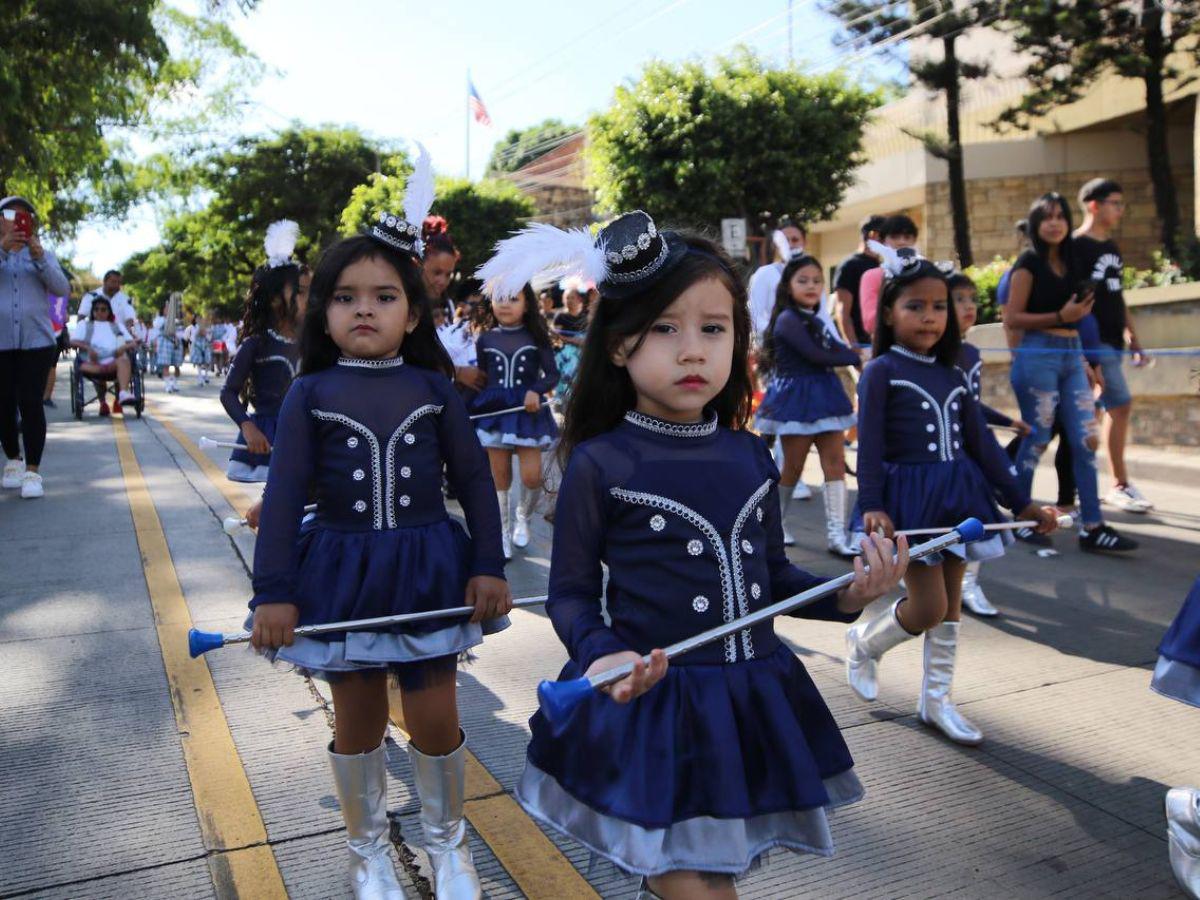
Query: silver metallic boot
[973, 597]
[1183, 837]
[866, 642]
[785, 501]
[361, 782]
[834, 495]
[935, 707]
[441, 782]
[505, 524]
[525, 507]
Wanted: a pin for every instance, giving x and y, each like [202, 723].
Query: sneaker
[1104, 539]
[49, 403]
[117, 409]
[31, 486]
[801, 491]
[1029, 536]
[126, 397]
[1129, 498]
[104, 410]
[13, 470]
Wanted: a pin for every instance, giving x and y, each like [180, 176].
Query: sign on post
[733, 237]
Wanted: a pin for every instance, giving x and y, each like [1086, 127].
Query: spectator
[847, 280]
[437, 269]
[1097, 259]
[765, 281]
[122, 307]
[28, 273]
[1048, 372]
[103, 341]
[895, 232]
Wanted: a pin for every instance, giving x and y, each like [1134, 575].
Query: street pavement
[114, 781]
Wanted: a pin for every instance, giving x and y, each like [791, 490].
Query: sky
[398, 70]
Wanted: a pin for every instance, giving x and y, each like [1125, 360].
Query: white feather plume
[888, 257]
[782, 247]
[418, 193]
[541, 249]
[280, 241]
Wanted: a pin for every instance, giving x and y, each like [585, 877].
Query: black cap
[404, 236]
[637, 254]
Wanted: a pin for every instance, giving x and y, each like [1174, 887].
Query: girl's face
[509, 310]
[369, 313]
[685, 358]
[918, 317]
[573, 301]
[1053, 228]
[806, 285]
[436, 271]
[965, 307]
[101, 312]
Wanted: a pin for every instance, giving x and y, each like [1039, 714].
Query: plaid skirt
[201, 352]
[169, 352]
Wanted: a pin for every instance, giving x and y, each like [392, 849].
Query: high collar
[673, 429]
[911, 354]
[391, 362]
[279, 337]
[510, 328]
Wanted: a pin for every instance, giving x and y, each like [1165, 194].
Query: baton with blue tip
[559, 698]
[200, 642]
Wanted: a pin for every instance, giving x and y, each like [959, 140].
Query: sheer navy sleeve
[239, 374]
[549, 371]
[872, 414]
[987, 452]
[470, 475]
[293, 463]
[792, 331]
[994, 416]
[788, 579]
[576, 578]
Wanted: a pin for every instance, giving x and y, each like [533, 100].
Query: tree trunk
[954, 156]
[1158, 154]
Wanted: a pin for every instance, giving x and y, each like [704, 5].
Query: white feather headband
[418, 193]
[782, 247]
[280, 242]
[542, 249]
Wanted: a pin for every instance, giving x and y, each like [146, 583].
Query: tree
[209, 252]
[522, 146]
[73, 81]
[1072, 43]
[894, 25]
[479, 213]
[693, 146]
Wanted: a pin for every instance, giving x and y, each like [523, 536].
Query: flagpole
[468, 125]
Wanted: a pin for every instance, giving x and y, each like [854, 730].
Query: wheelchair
[79, 382]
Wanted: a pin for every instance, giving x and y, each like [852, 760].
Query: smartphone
[1087, 287]
[23, 222]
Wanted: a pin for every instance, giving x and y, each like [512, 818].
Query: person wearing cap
[28, 273]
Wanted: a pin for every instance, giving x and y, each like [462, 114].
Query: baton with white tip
[501, 412]
[231, 524]
[202, 641]
[206, 442]
[1063, 522]
[558, 698]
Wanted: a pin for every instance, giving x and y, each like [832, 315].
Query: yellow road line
[536, 865]
[241, 863]
[237, 498]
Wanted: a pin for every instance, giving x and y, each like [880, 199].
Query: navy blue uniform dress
[971, 364]
[734, 751]
[925, 456]
[805, 395]
[368, 438]
[268, 361]
[1177, 674]
[515, 365]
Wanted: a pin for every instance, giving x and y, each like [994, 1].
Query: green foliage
[74, 79]
[479, 213]
[987, 280]
[1163, 272]
[693, 145]
[523, 145]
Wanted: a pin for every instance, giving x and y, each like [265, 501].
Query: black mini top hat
[637, 254]
[398, 233]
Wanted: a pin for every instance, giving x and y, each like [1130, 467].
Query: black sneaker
[1029, 536]
[1104, 539]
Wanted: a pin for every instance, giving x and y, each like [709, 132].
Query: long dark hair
[112, 316]
[1038, 213]
[947, 347]
[266, 284]
[785, 301]
[420, 348]
[604, 392]
[531, 317]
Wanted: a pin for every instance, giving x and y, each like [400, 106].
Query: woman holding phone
[1047, 299]
[28, 274]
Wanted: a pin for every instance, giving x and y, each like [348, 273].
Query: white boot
[1183, 837]
[361, 782]
[834, 495]
[801, 491]
[525, 507]
[785, 501]
[973, 597]
[866, 642]
[505, 524]
[935, 707]
[441, 783]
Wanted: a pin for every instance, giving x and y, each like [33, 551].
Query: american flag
[477, 108]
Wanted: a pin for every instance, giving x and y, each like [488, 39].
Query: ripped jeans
[1048, 378]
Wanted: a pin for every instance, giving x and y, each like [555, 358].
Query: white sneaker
[127, 397]
[31, 486]
[801, 491]
[1129, 498]
[13, 470]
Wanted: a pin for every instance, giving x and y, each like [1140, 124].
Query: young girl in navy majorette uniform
[925, 460]
[368, 428]
[805, 402]
[687, 774]
[515, 351]
[265, 364]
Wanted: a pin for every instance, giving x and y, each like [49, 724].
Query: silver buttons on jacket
[658, 523]
[755, 590]
[405, 499]
[700, 603]
[358, 474]
[747, 547]
[410, 439]
[352, 442]
[405, 472]
[695, 547]
[360, 505]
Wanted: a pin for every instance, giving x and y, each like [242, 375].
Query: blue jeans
[1048, 377]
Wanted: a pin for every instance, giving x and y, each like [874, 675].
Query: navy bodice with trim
[686, 517]
[270, 360]
[512, 359]
[804, 346]
[971, 363]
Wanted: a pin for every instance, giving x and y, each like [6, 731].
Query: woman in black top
[1046, 300]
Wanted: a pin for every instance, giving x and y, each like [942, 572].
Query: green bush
[987, 280]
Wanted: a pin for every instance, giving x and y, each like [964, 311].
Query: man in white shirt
[118, 301]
